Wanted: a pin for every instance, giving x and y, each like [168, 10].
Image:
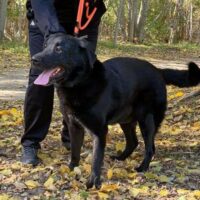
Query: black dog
[95, 94]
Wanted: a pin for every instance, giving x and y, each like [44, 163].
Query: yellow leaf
[4, 112]
[49, 184]
[163, 193]
[103, 195]
[135, 191]
[6, 172]
[182, 191]
[150, 175]
[14, 111]
[132, 175]
[64, 169]
[182, 198]
[179, 94]
[120, 173]
[109, 187]
[170, 97]
[196, 193]
[16, 166]
[31, 184]
[144, 189]
[110, 174]
[46, 159]
[87, 168]
[163, 179]
[119, 146]
[5, 197]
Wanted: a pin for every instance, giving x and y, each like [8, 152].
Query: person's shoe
[29, 155]
[66, 144]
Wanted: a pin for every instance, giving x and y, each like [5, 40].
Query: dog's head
[65, 60]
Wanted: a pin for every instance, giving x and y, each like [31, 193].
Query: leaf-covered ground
[174, 173]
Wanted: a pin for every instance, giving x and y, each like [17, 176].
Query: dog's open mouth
[46, 76]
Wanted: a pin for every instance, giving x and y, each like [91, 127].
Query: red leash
[89, 16]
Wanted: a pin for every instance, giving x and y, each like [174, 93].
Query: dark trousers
[38, 104]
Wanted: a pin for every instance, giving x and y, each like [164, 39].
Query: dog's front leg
[99, 143]
[76, 139]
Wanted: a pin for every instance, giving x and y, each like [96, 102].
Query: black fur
[182, 78]
[120, 90]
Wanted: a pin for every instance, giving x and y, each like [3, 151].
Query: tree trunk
[3, 12]
[130, 21]
[142, 19]
[133, 14]
[119, 14]
[191, 22]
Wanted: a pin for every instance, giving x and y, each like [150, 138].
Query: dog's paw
[141, 168]
[93, 181]
[72, 166]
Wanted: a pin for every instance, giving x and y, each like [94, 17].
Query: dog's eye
[58, 49]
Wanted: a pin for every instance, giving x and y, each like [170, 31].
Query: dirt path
[13, 82]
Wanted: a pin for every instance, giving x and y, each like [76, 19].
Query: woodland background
[138, 21]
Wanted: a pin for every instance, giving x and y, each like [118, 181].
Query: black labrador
[120, 90]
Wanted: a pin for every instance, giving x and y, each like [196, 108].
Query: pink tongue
[43, 78]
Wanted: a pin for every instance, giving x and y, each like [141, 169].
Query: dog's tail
[182, 78]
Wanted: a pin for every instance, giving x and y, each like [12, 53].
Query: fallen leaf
[6, 172]
[135, 191]
[110, 174]
[5, 197]
[103, 195]
[182, 191]
[19, 185]
[87, 168]
[163, 179]
[164, 192]
[64, 169]
[119, 146]
[150, 175]
[120, 173]
[49, 184]
[109, 187]
[196, 193]
[77, 171]
[179, 94]
[32, 184]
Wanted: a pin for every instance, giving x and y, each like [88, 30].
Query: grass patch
[14, 46]
[154, 50]
[16, 54]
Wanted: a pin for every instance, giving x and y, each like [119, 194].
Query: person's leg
[37, 107]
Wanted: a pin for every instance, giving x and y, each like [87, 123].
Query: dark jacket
[51, 16]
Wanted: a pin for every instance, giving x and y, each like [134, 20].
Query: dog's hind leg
[131, 140]
[147, 127]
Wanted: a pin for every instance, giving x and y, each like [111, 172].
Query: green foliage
[14, 46]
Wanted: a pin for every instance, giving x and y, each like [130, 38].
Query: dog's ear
[90, 53]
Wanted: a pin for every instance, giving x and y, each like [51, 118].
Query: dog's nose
[35, 61]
